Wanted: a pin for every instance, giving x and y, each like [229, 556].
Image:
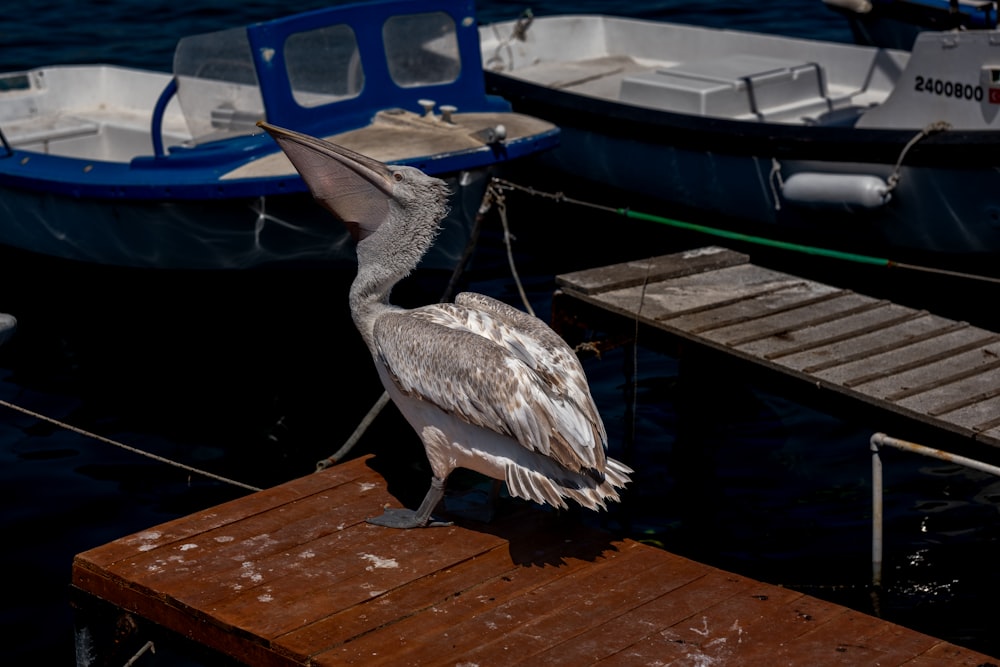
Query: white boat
[896, 23]
[856, 148]
[128, 167]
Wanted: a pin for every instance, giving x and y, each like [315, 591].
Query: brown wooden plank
[207, 568]
[943, 654]
[623, 629]
[180, 529]
[583, 611]
[324, 588]
[850, 638]
[629, 628]
[721, 633]
[650, 270]
[163, 611]
[718, 633]
[462, 624]
[533, 540]
[350, 578]
[382, 610]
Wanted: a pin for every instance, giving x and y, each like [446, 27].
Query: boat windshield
[220, 94]
[217, 84]
[324, 65]
[421, 49]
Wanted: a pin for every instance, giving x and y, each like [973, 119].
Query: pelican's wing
[496, 377]
[536, 343]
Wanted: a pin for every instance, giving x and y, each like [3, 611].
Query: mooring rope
[128, 448]
[497, 196]
[747, 238]
[936, 126]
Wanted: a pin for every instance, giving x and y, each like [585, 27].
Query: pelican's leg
[404, 518]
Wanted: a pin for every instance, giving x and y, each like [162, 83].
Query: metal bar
[876, 513]
[880, 440]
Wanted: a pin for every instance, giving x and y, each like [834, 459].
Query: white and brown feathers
[500, 369]
[485, 386]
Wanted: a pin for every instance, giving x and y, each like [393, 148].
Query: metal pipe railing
[880, 440]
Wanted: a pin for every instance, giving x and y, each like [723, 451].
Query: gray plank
[785, 297]
[866, 345]
[975, 415]
[841, 329]
[692, 293]
[896, 360]
[772, 333]
[911, 362]
[650, 270]
[929, 377]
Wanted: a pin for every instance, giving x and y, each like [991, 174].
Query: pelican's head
[357, 189]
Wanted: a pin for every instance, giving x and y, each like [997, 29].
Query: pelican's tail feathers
[532, 485]
[545, 488]
[617, 473]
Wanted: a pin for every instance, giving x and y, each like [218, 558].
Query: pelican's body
[485, 386]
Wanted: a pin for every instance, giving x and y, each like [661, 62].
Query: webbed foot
[404, 518]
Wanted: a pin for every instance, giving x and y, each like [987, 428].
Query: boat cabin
[318, 72]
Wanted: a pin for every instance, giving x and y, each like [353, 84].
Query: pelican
[485, 386]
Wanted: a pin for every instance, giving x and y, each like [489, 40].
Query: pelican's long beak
[352, 186]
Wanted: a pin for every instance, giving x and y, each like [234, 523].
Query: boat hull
[933, 210]
[946, 200]
[138, 168]
[229, 233]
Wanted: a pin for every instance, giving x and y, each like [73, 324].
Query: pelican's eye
[398, 176]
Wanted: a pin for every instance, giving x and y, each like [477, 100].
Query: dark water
[256, 376]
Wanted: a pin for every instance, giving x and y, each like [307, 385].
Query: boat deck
[293, 575]
[919, 365]
[738, 87]
[692, 70]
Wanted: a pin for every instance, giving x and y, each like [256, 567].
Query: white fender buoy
[836, 189]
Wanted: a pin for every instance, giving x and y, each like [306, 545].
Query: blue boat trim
[172, 172]
[189, 173]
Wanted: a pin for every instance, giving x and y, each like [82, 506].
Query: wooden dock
[292, 575]
[919, 365]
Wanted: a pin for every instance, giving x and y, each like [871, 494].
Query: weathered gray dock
[919, 365]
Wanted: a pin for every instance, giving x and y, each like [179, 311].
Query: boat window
[15, 81]
[217, 84]
[422, 49]
[324, 65]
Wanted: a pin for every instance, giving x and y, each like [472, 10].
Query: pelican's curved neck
[384, 259]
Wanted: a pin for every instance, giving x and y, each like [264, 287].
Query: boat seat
[39, 129]
[739, 86]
